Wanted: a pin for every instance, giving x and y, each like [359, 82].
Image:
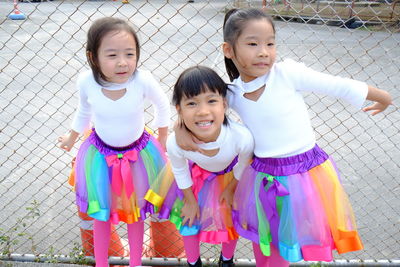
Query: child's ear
[178, 109]
[225, 104]
[227, 50]
[89, 56]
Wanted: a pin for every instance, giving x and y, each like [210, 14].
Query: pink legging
[192, 248]
[101, 233]
[271, 261]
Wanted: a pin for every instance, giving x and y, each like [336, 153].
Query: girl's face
[255, 51]
[117, 56]
[203, 115]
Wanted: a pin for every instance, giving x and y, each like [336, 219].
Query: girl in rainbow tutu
[119, 160]
[289, 202]
[199, 199]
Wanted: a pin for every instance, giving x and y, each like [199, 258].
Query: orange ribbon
[348, 241]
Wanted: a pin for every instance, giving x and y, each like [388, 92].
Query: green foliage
[77, 255]
[51, 257]
[12, 237]
[17, 234]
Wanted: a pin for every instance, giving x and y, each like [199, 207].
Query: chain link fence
[41, 56]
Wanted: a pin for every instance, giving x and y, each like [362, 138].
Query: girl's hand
[228, 193]
[184, 138]
[227, 196]
[382, 100]
[190, 212]
[376, 108]
[67, 141]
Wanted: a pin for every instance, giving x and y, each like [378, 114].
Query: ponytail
[230, 67]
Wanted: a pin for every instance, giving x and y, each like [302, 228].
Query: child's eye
[252, 44]
[191, 103]
[212, 101]
[111, 55]
[131, 54]
[271, 44]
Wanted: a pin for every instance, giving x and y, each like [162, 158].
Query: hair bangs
[197, 80]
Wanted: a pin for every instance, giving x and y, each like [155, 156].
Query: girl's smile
[204, 124]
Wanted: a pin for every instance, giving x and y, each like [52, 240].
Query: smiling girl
[199, 201]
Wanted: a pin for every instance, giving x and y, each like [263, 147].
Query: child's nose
[122, 62]
[202, 110]
[263, 50]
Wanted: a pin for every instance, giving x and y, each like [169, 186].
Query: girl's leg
[274, 260]
[192, 247]
[135, 238]
[261, 260]
[101, 239]
[228, 249]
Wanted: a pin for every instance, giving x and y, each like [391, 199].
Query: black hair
[234, 22]
[95, 35]
[196, 80]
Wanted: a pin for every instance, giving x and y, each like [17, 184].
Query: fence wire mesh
[41, 56]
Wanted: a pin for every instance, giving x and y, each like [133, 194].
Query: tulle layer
[111, 182]
[306, 215]
[215, 224]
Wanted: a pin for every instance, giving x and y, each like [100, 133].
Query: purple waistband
[107, 150]
[291, 165]
[226, 170]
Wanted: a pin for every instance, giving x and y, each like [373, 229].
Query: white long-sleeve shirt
[233, 140]
[279, 120]
[120, 122]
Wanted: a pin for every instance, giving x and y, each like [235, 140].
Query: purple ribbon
[147, 208]
[268, 201]
[249, 233]
[165, 209]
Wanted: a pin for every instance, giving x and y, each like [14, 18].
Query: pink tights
[192, 248]
[102, 231]
[271, 261]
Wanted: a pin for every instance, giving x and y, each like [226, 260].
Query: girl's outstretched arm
[67, 141]
[381, 98]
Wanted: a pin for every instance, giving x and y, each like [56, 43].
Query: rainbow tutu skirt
[298, 204]
[215, 224]
[111, 182]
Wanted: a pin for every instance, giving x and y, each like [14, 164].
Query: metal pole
[182, 262]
